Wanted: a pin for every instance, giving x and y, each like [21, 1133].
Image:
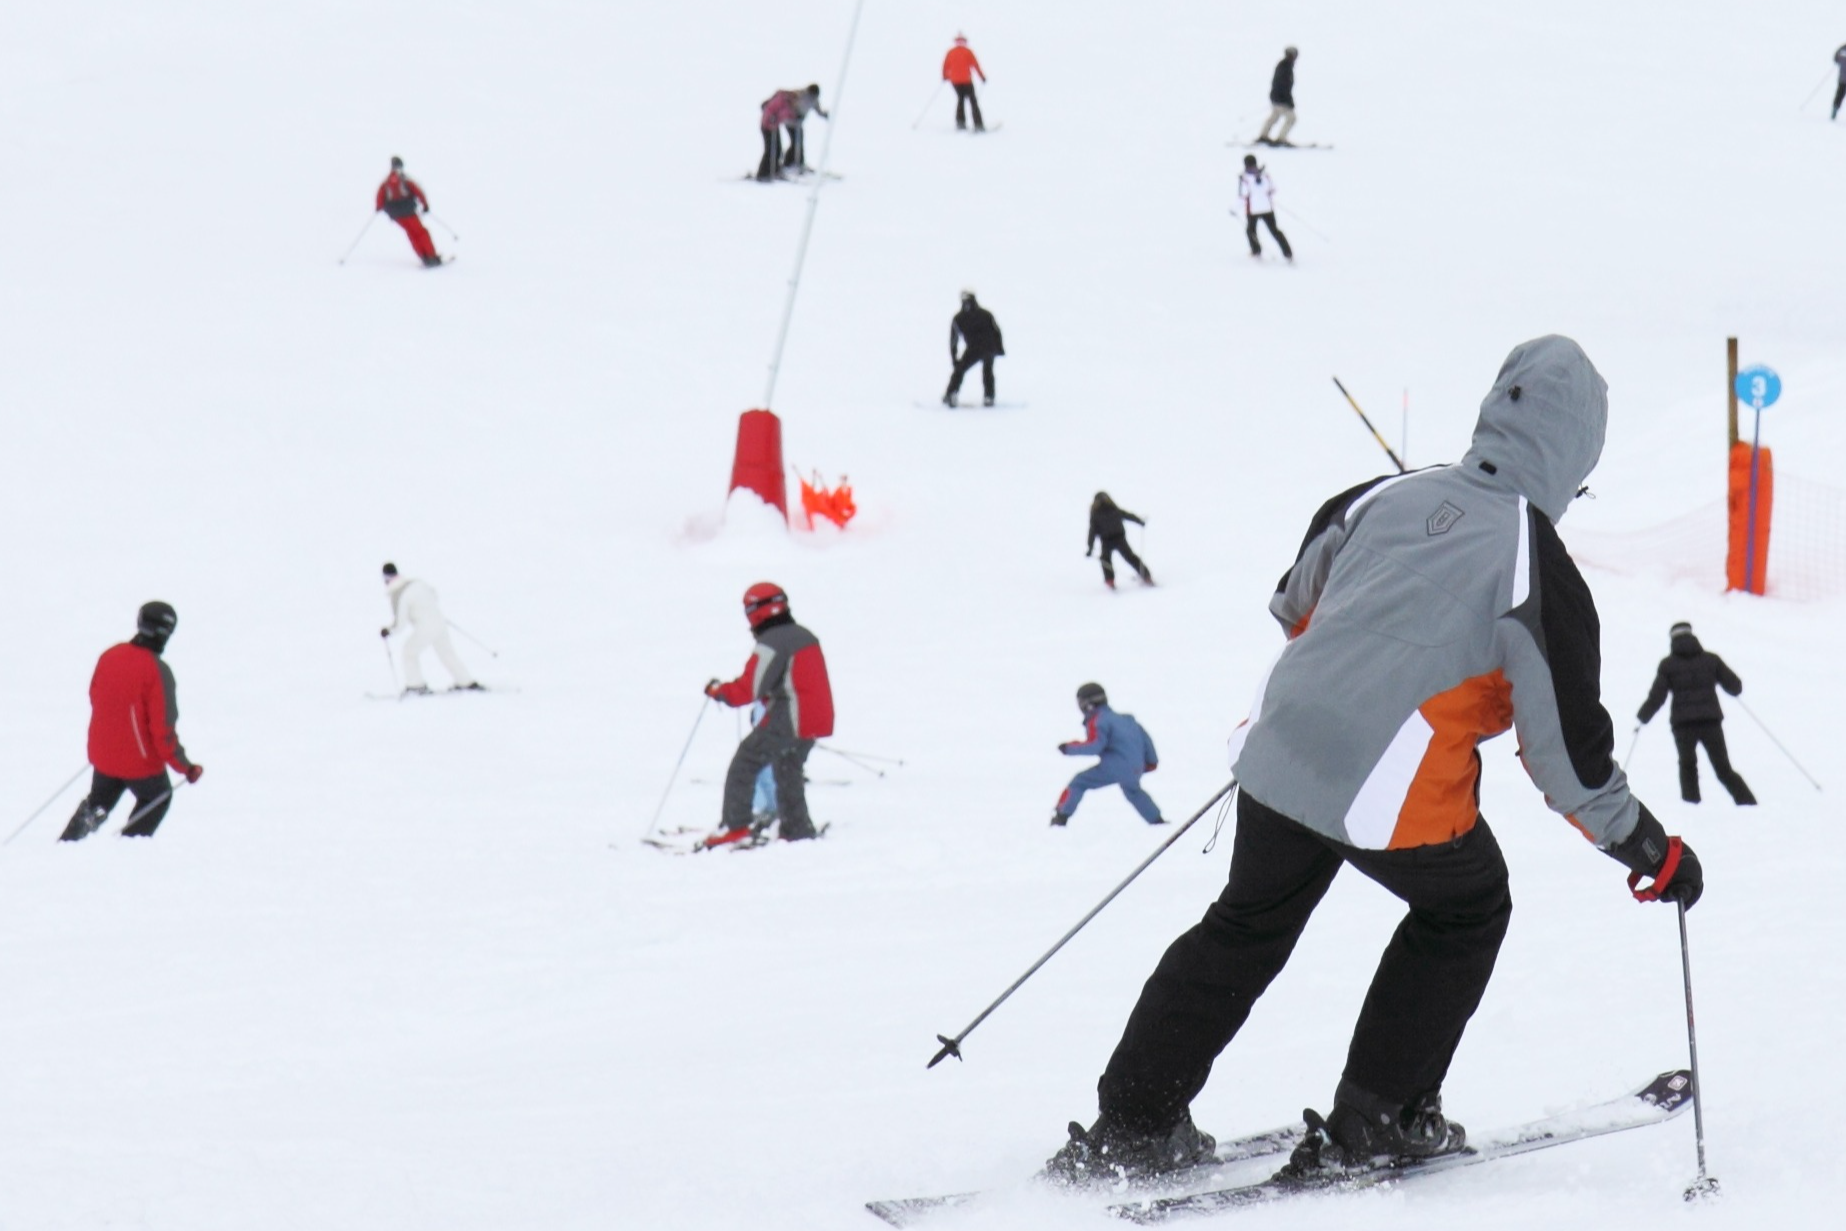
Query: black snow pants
[1428, 983]
[772, 154]
[1256, 249]
[964, 98]
[797, 157]
[1688, 736]
[962, 365]
[772, 742]
[1117, 544]
[106, 792]
[1839, 94]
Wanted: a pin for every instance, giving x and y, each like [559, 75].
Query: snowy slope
[383, 969]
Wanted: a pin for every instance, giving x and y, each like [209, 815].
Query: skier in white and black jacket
[1426, 612]
[1259, 205]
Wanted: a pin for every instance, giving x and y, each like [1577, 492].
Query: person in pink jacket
[786, 109]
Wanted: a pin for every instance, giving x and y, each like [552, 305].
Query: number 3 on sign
[1759, 386]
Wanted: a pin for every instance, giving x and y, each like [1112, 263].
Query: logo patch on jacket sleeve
[1443, 519]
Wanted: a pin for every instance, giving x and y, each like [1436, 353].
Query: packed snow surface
[408, 966]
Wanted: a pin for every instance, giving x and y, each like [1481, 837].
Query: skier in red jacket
[132, 711]
[788, 674]
[402, 199]
[959, 69]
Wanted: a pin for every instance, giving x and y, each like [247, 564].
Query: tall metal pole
[807, 227]
[1749, 543]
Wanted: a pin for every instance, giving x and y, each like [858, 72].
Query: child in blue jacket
[1127, 752]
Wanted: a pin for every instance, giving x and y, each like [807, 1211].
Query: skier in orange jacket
[959, 68]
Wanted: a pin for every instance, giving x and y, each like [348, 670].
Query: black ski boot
[949, 400]
[86, 820]
[1364, 1131]
[988, 400]
[1059, 819]
[1110, 1153]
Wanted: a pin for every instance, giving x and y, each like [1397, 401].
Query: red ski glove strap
[1662, 878]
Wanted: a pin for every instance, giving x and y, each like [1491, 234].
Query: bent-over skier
[402, 199]
[787, 673]
[1693, 675]
[1127, 752]
[1425, 613]
[1107, 526]
[1839, 91]
[134, 709]
[414, 602]
[978, 333]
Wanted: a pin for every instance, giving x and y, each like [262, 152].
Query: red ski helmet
[763, 601]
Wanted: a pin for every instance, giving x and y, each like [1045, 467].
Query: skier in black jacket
[979, 335]
[1106, 524]
[1693, 675]
[1281, 100]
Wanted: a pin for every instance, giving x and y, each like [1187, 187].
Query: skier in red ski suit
[402, 199]
[133, 710]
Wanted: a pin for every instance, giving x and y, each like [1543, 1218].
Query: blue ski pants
[1100, 776]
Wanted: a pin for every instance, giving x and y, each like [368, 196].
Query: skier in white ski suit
[415, 601]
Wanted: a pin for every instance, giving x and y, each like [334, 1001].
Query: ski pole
[952, 1047]
[1311, 228]
[445, 226]
[392, 664]
[152, 804]
[864, 756]
[851, 759]
[41, 808]
[1817, 89]
[470, 636]
[360, 236]
[934, 94]
[1631, 744]
[1776, 742]
[1706, 1185]
[671, 778]
[1401, 468]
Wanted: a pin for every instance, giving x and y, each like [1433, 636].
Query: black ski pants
[1117, 544]
[1256, 249]
[964, 98]
[1839, 94]
[797, 156]
[968, 360]
[771, 743]
[1688, 736]
[772, 154]
[1428, 984]
[106, 792]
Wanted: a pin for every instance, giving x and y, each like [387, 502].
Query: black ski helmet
[1091, 695]
[390, 570]
[156, 619]
[397, 164]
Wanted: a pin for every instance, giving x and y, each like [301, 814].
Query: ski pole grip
[1662, 878]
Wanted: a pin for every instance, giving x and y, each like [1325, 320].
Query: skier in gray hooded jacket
[1426, 612]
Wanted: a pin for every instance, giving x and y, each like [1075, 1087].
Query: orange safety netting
[835, 504]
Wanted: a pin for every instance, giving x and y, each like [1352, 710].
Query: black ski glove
[1088, 552]
[384, 632]
[1648, 851]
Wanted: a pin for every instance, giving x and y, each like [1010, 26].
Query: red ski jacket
[788, 674]
[399, 194]
[960, 66]
[133, 709]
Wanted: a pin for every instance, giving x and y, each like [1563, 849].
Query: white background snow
[406, 966]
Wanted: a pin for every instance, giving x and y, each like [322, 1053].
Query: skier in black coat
[979, 335]
[1693, 675]
[1281, 100]
[1106, 524]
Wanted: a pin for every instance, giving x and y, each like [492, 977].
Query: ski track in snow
[381, 969]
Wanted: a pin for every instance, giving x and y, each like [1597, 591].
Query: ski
[660, 842]
[906, 1211]
[1271, 145]
[1654, 1103]
[750, 178]
[407, 695]
[939, 404]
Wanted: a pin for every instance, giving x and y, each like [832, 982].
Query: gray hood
[1542, 423]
